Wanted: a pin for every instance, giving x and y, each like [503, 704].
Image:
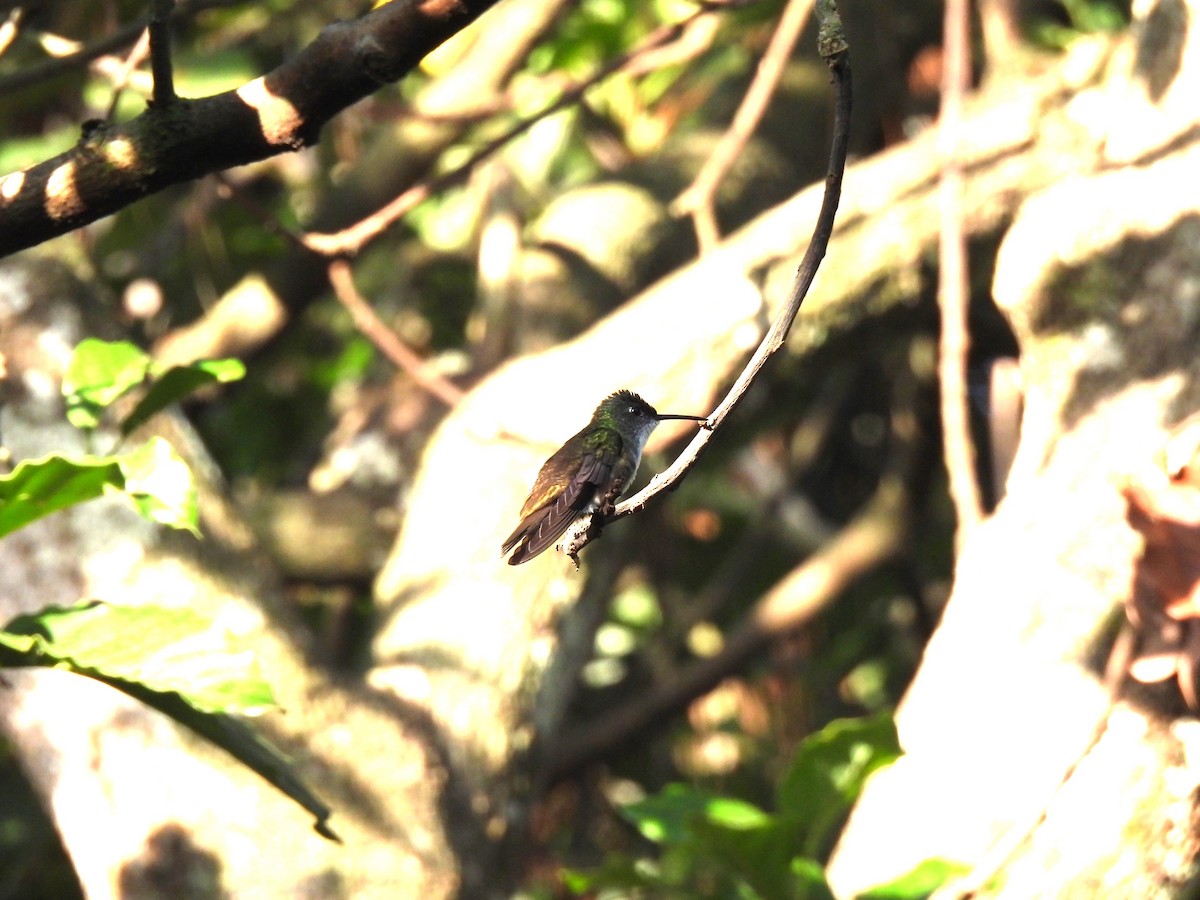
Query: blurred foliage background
[323, 417]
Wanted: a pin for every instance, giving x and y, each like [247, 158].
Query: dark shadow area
[1158, 61]
[172, 867]
[33, 863]
[1135, 289]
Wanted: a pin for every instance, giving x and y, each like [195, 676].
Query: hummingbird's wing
[543, 525]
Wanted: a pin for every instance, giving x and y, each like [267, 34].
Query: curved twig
[388, 342]
[832, 45]
[122, 73]
[699, 198]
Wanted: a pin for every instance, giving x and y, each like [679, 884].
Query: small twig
[365, 319]
[831, 43]
[696, 38]
[342, 280]
[699, 198]
[120, 78]
[350, 241]
[123, 36]
[228, 188]
[953, 286]
[160, 53]
[34, 74]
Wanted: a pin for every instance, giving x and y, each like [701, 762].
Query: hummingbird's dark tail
[541, 527]
[536, 533]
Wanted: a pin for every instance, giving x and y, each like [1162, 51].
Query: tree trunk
[1015, 765]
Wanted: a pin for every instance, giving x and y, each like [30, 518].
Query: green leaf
[161, 485]
[757, 851]
[163, 648]
[173, 660]
[36, 488]
[922, 881]
[98, 374]
[810, 880]
[154, 477]
[618, 876]
[749, 846]
[734, 814]
[179, 381]
[828, 772]
[663, 817]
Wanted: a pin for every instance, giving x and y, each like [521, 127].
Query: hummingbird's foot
[707, 425]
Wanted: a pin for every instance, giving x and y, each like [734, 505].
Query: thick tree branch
[283, 110]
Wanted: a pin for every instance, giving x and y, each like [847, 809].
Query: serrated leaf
[161, 485]
[100, 372]
[171, 659]
[36, 488]
[179, 381]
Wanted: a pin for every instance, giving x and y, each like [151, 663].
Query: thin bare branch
[122, 37]
[699, 198]
[953, 283]
[388, 342]
[831, 43]
[351, 240]
[125, 69]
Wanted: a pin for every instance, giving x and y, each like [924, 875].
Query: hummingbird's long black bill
[702, 419]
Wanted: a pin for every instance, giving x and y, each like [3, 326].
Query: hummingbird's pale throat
[587, 473]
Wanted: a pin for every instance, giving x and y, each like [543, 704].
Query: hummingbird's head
[629, 414]
[632, 416]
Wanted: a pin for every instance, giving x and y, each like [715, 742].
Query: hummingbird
[587, 473]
